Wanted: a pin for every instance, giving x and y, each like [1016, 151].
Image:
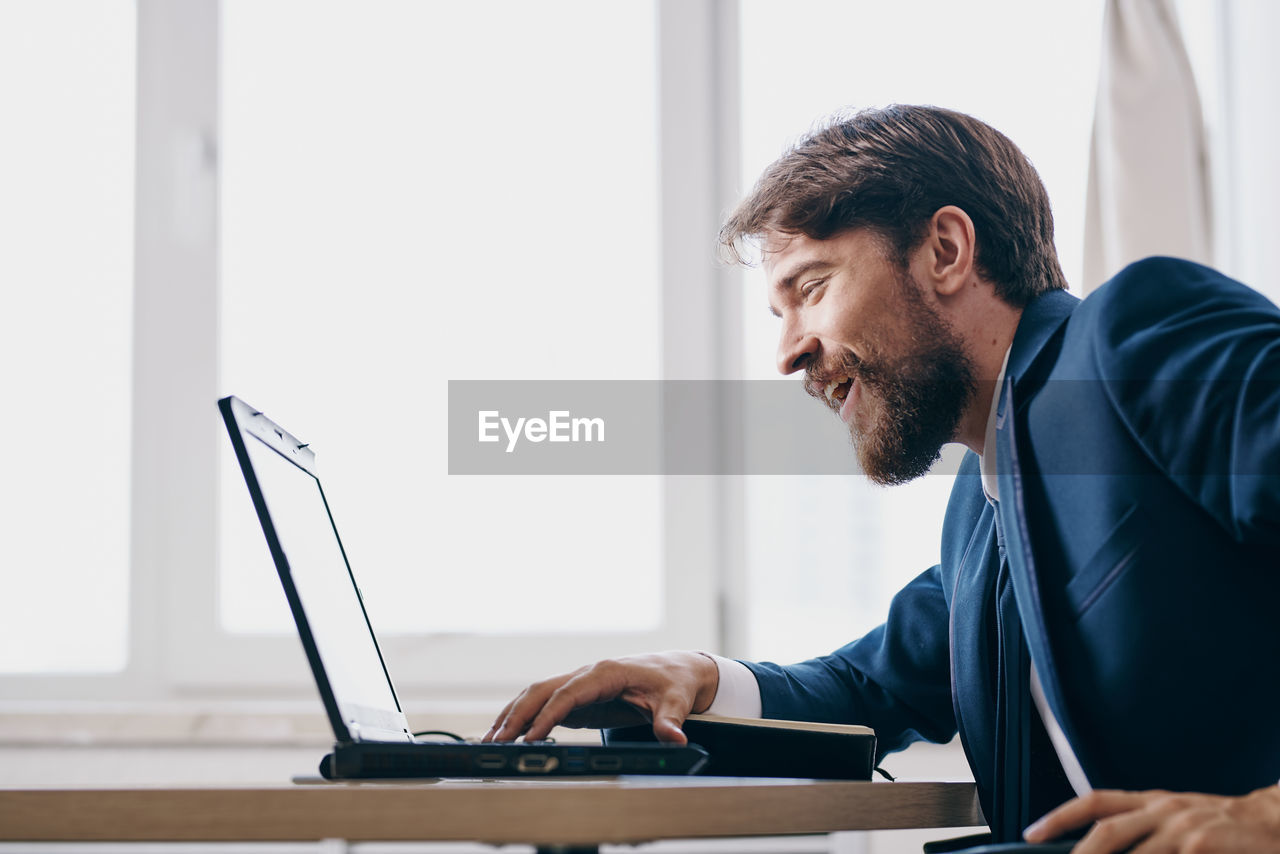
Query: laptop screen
[343, 638]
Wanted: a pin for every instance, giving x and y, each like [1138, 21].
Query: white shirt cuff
[739, 694]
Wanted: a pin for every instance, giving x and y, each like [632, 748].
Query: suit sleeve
[1192, 360]
[896, 679]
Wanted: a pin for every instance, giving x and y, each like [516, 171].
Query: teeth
[832, 386]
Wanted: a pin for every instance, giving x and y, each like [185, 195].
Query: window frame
[176, 649]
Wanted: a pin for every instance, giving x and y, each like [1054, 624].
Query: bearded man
[1103, 614]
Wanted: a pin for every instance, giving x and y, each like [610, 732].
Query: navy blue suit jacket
[1138, 448]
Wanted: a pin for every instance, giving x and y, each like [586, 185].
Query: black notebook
[759, 747]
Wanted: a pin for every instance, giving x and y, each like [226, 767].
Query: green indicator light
[662, 763]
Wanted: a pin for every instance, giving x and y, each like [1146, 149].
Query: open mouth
[837, 390]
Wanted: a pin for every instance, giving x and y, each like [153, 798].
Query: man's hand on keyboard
[660, 687]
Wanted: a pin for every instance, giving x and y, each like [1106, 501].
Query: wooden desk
[553, 815]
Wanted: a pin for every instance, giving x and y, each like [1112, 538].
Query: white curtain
[1149, 190]
[1248, 167]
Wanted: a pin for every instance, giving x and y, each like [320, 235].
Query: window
[326, 229]
[469, 193]
[448, 202]
[66, 213]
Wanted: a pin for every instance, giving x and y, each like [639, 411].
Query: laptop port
[536, 763]
[491, 761]
[606, 763]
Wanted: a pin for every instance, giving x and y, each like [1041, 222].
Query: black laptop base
[382, 760]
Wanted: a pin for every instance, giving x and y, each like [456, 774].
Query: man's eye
[809, 287]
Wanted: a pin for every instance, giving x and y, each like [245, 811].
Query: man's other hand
[1150, 822]
[662, 687]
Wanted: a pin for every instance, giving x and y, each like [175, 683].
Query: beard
[912, 401]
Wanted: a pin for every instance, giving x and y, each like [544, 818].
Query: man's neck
[990, 337]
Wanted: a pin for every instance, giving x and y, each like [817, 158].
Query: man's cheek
[868, 412]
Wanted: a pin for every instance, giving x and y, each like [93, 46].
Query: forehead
[784, 256]
[776, 248]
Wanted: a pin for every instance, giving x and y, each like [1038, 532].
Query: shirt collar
[987, 462]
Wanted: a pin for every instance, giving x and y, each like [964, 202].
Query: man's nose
[796, 350]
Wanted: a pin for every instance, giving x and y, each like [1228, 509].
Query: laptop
[372, 738]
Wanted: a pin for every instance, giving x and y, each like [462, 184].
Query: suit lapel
[1029, 360]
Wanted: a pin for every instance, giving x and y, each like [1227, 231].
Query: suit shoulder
[1155, 288]
[1159, 307]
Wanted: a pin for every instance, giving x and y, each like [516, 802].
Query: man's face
[872, 348]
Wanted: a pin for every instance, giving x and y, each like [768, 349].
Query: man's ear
[945, 257]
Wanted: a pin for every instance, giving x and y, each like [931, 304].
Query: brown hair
[889, 170]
